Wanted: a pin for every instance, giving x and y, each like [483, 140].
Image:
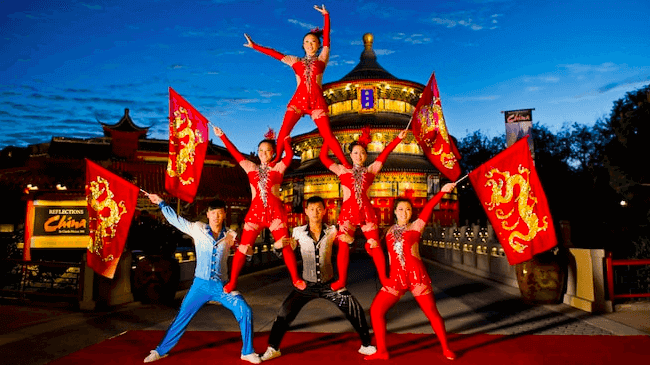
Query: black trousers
[297, 299]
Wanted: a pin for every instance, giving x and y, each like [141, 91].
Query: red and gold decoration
[511, 194]
[188, 143]
[111, 205]
[430, 131]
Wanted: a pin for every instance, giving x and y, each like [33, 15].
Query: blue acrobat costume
[209, 277]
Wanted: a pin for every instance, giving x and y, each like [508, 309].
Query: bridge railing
[614, 280]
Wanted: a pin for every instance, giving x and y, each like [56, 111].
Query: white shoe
[367, 350]
[271, 353]
[253, 358]
[153, 356]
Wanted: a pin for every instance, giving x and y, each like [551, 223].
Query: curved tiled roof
[396, 162]
[124, 125]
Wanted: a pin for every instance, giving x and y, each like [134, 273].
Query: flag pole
[408, 125]
[461, 179]
[144, 192]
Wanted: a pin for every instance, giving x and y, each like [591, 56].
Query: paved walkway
[37, 333]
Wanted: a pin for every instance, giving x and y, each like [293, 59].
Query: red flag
[511, 194]
[111, 204]
[430, 131]
[188, 142]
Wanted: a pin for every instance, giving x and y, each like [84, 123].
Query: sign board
[57, 224]
[519, 123]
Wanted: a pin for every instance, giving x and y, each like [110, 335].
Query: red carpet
[341, 348]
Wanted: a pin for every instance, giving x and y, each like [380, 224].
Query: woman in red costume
[266, 209]
[407, 273]
[357, 211]
[308, 98]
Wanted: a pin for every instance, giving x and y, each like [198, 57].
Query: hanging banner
[188, 143]
[515, 203]
[111, 205]
[430, 131]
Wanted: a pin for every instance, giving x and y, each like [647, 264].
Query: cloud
[84, 91]
[579, 68]
[267, 94]
[383, 52]
[416, 38]
[471, 19]
[22, 107]
[381, 11]
[629, 83]
[549, 79]
[21, 15]
[302, 24]
[92, 7]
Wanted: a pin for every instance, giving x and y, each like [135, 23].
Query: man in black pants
[316, 240]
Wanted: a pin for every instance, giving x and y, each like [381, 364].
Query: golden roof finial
[368, 38]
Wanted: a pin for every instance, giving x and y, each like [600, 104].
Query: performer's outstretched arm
[174, 219]
[325, 53]
[391, 146]
[231, 147]
[267, 51]
[428, 208]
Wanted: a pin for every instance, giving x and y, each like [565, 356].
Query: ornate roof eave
[353, 122]
[407, 83]
[125, 124]
[396, 162]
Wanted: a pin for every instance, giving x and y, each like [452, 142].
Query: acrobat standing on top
[308, 98]
[356, 210]
[266, 209]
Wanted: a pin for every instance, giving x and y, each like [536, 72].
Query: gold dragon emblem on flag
[187, 139]
[107, 217]
[432, 124]
[503, 188]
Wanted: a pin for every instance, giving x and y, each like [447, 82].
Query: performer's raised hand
[154, 198]
[321, 10]
[217, 131]
[402, 134]
[448, 187]
[249, 41]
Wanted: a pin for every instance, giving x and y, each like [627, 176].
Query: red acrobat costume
[407, 273]
[357, 211]
[308, 98]
[266, 210]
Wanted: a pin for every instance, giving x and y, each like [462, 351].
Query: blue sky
[67, 64]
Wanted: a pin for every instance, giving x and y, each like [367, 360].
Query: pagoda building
[368, 96]
[124, 136]
[55, 170]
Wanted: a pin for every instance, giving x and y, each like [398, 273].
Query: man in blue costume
[212, 243]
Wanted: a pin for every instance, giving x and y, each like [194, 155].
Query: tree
[475, 149]
[625, 159]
